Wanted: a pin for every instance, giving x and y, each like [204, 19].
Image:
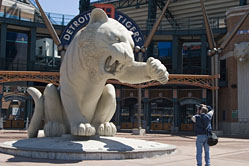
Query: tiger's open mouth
[112, 66]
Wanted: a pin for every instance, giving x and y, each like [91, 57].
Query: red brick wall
[233, 17]
[228, 96]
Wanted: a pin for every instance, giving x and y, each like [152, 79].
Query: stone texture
[74, 148]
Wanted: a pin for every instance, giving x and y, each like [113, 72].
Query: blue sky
[61, 6]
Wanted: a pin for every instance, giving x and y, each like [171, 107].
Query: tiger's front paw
[83, 129]
[107, 129]
[157, 70]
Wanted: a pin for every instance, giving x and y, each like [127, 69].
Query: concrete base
[138, 131]
[174, 129]
[78, 148]
[235, 128]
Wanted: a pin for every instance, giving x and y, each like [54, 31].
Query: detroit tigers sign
[82, 20]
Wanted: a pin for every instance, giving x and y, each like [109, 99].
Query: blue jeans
[201, 141]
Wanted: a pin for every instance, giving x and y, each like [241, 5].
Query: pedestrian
[202, 122]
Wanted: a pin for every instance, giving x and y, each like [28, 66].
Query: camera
[198, 106]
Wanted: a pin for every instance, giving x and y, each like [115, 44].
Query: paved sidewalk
[228, 152]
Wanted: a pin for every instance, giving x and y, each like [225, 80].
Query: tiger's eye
[117, 38]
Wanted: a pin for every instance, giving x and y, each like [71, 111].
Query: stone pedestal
[174, 129]
[82, 148]
[1, 123]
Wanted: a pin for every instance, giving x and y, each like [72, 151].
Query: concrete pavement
[228, 152]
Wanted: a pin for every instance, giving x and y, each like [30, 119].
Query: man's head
[204, 110]
[199, 107]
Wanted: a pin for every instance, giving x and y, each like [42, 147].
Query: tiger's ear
[98, 15]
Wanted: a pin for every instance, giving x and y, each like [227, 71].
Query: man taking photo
[202, 122]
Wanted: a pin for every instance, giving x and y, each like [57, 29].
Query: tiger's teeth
[114, 66]
[108, 68]
[119, 67]
[107, 64]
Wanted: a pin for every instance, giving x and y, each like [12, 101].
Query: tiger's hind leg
[55, 121]
[105, 110]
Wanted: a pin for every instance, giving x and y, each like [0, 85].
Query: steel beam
[3, 45]
[32, 49]
[210, 35]
[49, 25]
[234, 31]
[1, 3]
[203, 54]
[129, 3]
[243, 2]
[155, 26]
[168, 16]
[84, 5]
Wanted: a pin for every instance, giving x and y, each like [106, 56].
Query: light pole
[1, 95]
[215, 97]
[140, 53]
[139, 108]
[139, 131]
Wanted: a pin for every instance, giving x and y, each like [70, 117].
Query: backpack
[212, 139]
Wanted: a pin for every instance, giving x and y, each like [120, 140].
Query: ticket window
[168, 115]
[14, 115]
[161, 114]
[128, 113]
[125, 119]
[16, 112]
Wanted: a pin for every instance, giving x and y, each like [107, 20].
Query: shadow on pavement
[112, 145]
[192, 137]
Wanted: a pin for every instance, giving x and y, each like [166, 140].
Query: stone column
[175, 124]
[1, 95]
[3, 45]
[204, 96]
[147, 109]
[118, 109]
[203, 54]
[177, 59]
[32, 49]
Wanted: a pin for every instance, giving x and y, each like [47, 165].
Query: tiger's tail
[38, 113]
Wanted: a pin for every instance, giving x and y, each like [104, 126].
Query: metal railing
[204, 81]
[18, 14]
[42, 63]
[47, 61]
[187, 24]
[101, 1]
[59, 19]
[62, 19]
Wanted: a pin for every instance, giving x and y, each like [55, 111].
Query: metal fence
[62, 19]
[18, 14]
[187, 23]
